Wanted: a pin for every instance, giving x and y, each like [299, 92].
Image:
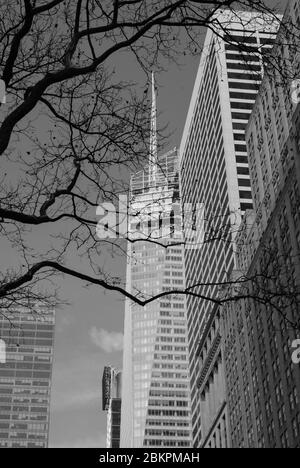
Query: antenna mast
[153, 137]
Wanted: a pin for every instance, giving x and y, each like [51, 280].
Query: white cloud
[108, 341]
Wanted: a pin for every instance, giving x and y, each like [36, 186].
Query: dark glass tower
[25, 377]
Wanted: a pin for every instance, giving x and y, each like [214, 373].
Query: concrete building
[156, 392]
[214, 165]
[25, 377]
[263, 384]
[111, 403]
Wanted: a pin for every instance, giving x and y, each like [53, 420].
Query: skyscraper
[212, 385]
[263, 382]
[111, 403]
[214, 165]
[155, 397]
[25, 378]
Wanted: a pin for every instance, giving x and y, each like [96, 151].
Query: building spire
[153, 137]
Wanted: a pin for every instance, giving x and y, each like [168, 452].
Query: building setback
[263, 384]
[214, 166]
[25, 378]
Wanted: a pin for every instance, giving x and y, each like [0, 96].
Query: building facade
[25, 377]
[156, 393]
[214, 165]
[111, 403]
[263, 383]
[211, 385]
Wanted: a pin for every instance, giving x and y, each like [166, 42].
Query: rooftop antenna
[153, 137]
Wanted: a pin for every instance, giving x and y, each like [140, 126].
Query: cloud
[109, 342]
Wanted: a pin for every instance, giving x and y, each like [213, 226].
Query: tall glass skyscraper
[155, 397]
[214, 166]
[25, 377]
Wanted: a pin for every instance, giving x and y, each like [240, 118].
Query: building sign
[106, 388]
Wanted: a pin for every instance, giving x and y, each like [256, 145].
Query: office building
[156, 394]
[263, 383]
[214, 165]
[25, 377]
[111, 403]
[211, 385]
